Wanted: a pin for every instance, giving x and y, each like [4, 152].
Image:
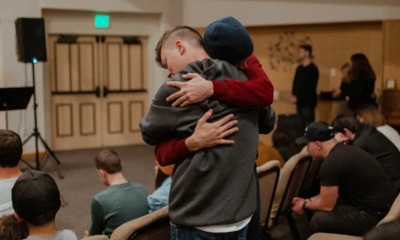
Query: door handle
[97, 92]
[105, 91]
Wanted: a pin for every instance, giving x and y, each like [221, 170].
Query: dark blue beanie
[227, 39]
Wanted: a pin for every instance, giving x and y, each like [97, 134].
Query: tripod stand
[36, 134]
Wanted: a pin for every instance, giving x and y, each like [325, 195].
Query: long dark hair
[360, 67]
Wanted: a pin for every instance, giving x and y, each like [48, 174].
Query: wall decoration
[282, 53]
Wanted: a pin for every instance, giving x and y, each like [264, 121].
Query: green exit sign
[101, 21]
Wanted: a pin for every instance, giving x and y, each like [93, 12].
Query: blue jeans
[305, 116]
[191, 233]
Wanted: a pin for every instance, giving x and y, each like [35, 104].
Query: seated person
[10, 154]
[267, 153]
[159, 198]
[36, 201]
[370, 114]
[121, 202]
[355, 193]
[371, 141]
[11, 229]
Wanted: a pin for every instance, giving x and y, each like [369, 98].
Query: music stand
[15, 98]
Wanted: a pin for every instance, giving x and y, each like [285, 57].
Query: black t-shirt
[305, 85]
[361, 180]
[379, 146]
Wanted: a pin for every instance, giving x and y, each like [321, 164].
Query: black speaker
[31, 40]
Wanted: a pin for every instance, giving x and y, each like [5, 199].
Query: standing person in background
[304, 91]
[362, 82]
[343, 92]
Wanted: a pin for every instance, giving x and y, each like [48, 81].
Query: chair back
[310, 178]
[268, 175]
[289, 185]
[394, 212]
[97, 237]
[153, 226]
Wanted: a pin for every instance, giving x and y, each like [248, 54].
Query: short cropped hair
[344, 121]
[109, 161]
[183, 32]
[10, 148]
[306, 47]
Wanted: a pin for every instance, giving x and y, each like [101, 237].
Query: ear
[19, 220]
[101, 172]
[180, 46]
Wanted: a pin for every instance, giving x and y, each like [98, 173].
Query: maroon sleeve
[257, 92]
[172, 151]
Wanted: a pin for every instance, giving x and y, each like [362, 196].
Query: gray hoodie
[216, 185]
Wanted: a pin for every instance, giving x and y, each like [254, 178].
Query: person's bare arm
[325, 201]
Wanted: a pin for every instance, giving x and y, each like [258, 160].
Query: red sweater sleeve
[172, 151]
[257, 92]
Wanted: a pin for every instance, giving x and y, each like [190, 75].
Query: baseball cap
[36, 197]
[316, 131]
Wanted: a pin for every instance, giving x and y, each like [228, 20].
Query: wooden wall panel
[86, 66]
[391, 57]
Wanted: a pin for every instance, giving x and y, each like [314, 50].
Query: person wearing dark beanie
[207, 212]
[227, 39]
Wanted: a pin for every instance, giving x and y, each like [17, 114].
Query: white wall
[196, 13]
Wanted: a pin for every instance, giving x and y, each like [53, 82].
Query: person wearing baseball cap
[36, 201]
[351, 199]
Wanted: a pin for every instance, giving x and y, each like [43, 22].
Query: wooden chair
[153, 226]
[268, 175]
[290, 183]
[393, 214]
[96, 237]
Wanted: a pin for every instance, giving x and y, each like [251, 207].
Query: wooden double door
[98, 90]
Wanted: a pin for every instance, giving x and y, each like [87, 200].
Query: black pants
[253, 232]
[345, 219]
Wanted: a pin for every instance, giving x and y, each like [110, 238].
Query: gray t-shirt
[61, 235]
[5, 196]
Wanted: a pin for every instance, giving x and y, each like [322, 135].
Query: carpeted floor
[81, 183]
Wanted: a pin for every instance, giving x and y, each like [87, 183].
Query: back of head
[10, 148]
[307, 47]
[181, 32]
[36, 198]
[360, 67]
[345, 121]
[11, 229]
[109, 161]
[227, 39]
[370, 115]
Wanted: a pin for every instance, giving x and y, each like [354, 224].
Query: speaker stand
[36, 134]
